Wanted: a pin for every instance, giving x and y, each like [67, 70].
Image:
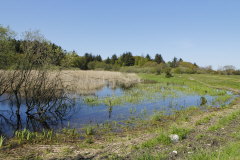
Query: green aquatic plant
[89, 130]
[70, 132]
[27, 136]
[157, 116]
[91, 100]
[203, 101]
[2, 138]
[132, 110]
[223, 99]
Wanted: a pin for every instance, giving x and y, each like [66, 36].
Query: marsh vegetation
[51, 109]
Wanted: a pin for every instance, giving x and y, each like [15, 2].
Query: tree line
[12, 52]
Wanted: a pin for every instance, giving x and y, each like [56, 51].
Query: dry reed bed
[87, 82]
[79, 81]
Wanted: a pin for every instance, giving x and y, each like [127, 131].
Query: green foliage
[160, 68]
[114, 59]
[140, 61]
[148, 57]
[168, 74]
[159, 59]
[127, 59]
[174, 63]
[12, 52]
[99, 65]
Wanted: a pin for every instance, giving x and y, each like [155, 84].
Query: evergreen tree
[98, 58]
[114, 59]
[89, 57]
[108, 60]
[127, 59]
[195, 64]
[159, 59]
[148, 57]
[174, 63]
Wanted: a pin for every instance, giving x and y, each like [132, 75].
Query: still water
[80, 113]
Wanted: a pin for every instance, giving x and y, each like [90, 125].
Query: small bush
[168, 75]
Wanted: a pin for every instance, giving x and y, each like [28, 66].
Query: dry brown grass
[87, 82]
[83, 82]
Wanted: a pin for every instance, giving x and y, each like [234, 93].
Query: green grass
[162, 138]
[181, 132]
[229, 81]
[230, 151]
[157, 116]
[200, 136]
[167, 87]
[179, 81]
[149, 156]
[203, 120]
[224, 121]
[164, 88]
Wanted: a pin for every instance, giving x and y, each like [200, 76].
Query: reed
[78, 81]
[27, 136]
[87, 82]
[2, 139]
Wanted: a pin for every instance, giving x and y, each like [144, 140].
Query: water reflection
[32, 114]
[39, 113]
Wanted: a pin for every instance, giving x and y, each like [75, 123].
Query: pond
[110, 104]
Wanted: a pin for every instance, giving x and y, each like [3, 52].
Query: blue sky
[203, 31]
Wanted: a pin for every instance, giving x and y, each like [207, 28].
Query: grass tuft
[181, 132]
